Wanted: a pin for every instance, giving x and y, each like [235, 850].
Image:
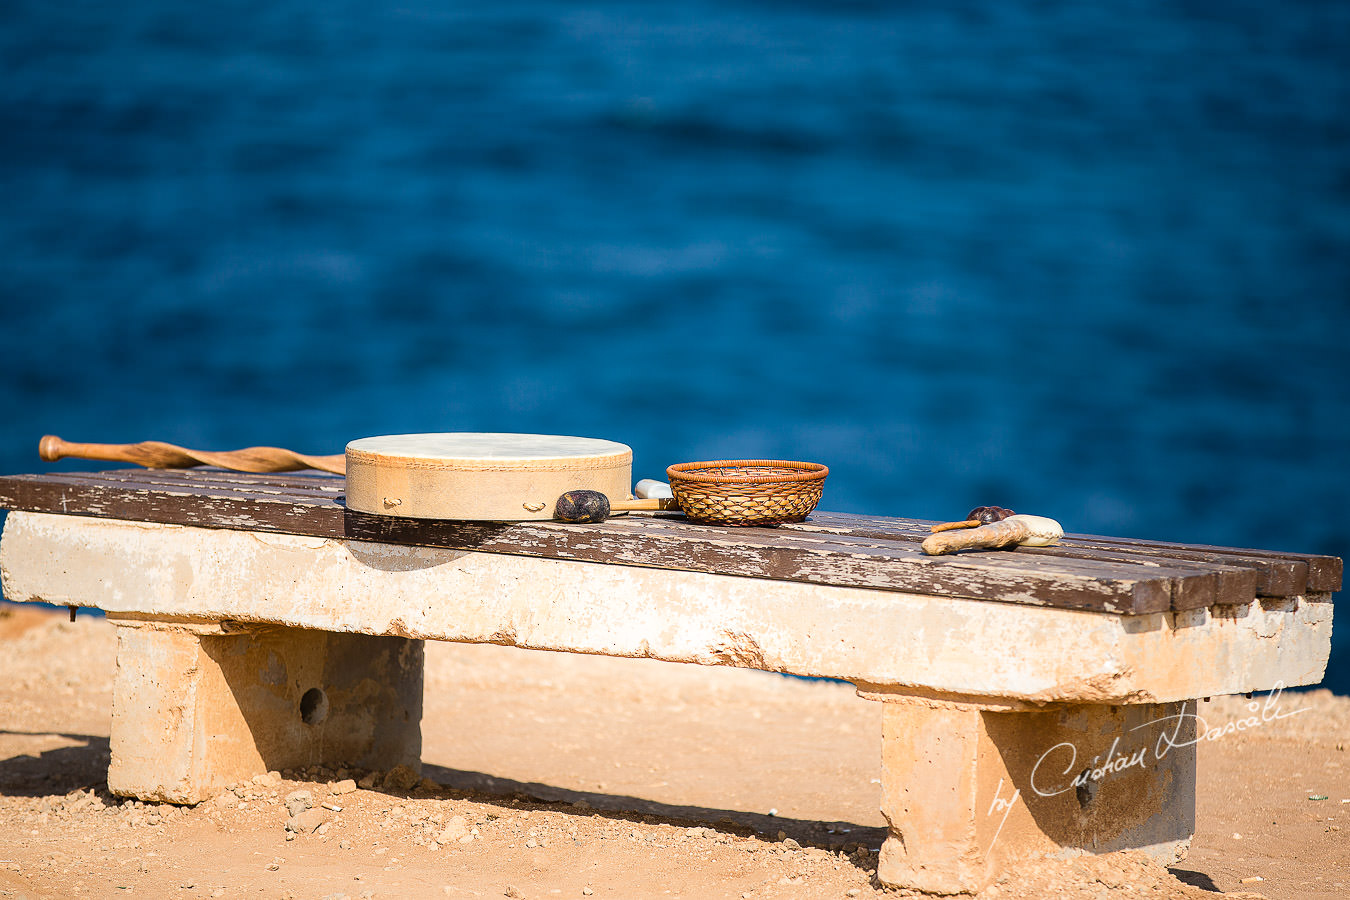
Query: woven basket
[747, 491]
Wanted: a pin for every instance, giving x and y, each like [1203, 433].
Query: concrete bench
[1035, 701]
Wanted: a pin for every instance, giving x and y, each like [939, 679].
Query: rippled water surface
[1087, 262]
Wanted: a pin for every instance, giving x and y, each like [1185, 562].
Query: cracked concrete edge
[887, 639]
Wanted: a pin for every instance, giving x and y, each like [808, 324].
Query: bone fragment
[1019, 530]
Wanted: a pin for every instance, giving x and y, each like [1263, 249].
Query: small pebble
[401, 778]
[299, 801]
[307, 821]
[455, 829]
[345, 786]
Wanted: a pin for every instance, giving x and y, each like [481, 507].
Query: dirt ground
[554, 775]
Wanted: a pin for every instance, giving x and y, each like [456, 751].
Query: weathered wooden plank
[1197, 585]
[155, 486]
[1229, 585]
[1239, 574]
[1108, 588]
[273, 482]
[764, 553]
[71, 494]
[1324, 573]
[1274, 574]
[1186, 588]
[1191, 586]
[278, 480]
[874, 551]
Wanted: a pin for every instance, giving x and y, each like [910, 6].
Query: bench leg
[196, 708]
[969, 791]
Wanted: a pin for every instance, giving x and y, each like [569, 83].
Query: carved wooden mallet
[159, 455]
[992, 527]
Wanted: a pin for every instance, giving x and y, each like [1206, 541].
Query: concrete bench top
[1096, 620]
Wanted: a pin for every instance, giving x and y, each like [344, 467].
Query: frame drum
[483, 477]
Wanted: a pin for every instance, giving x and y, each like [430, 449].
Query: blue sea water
[1085, 260]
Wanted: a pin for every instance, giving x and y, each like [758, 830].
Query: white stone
[950, 646]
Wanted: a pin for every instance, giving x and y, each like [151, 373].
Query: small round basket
[747, 491]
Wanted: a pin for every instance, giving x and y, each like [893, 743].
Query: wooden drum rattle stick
[1019, 530]
[158, 455]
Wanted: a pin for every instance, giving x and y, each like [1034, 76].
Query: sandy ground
[552, 775]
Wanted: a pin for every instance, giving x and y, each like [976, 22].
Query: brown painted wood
[1192, 586]
[674, 534]
[1231, 584]
[1239, 572]
[1275, 574]
[860, 551]
[206, 506]
[768, 554]
[759, 553]
[1324, 573]
[275, 482]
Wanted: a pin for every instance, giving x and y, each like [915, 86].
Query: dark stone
[582, 506]
[988, 515]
